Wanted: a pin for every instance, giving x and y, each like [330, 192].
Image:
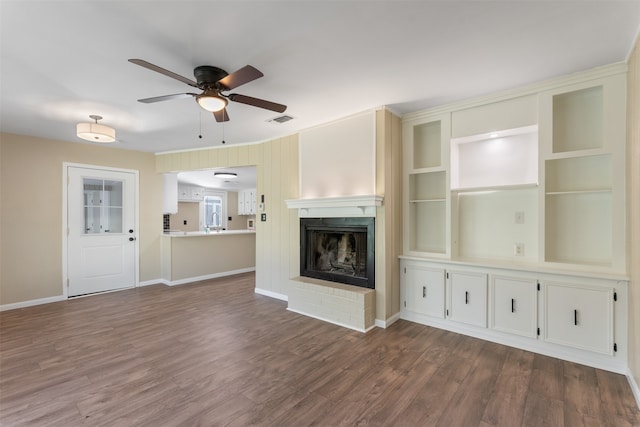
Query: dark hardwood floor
[214, 353]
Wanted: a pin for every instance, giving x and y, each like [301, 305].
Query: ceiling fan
[213, 81]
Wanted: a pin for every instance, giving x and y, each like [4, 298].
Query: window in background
[213, 216]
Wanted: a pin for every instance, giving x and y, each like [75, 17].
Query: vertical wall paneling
[633, 210]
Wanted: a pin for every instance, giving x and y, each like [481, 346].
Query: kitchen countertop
[203, 233]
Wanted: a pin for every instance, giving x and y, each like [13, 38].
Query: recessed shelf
[426, 145]
[584, 173]
[497, 159]
[494, 188]
[577, 120]
[427, 200]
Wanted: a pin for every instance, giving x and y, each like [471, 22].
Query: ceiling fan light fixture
[225, 175]
[95, 132]
[211, 101]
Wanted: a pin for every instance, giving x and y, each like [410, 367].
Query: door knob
[131, 230]
[131, 239]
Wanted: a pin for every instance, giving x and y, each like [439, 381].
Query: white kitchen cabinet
[197, 194]
[468, 298]
[579, 316]
[247, 202]
[169, 193]
[424, 290]
[184, 193]
[514, 305]
[188, 193]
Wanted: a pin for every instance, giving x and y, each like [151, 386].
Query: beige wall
[198, 256]
[187, 211]
[633, 211]
[31, 212]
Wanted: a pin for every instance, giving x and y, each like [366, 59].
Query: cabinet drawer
[468, 302]
[579, 316]
[514, 305]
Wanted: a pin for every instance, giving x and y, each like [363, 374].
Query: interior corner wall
[31, 171]
[277, 238]
[633, 211]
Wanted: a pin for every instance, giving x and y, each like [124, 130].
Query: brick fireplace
[337, 260]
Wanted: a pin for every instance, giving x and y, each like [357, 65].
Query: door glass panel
[103, 211]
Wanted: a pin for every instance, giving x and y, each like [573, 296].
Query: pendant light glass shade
[211, 101]
[95, 132]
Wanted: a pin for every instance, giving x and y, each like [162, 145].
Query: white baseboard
[390, 321]
[634, 387]
[207, 277]
[153, 282]
[271, 294]
[32, 302]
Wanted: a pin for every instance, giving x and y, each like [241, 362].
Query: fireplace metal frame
[341, 225]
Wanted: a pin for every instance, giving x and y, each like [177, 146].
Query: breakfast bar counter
[198, 255]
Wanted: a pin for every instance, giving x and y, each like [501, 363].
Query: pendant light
[95, 132]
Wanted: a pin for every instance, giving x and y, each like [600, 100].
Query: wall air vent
[281, 119]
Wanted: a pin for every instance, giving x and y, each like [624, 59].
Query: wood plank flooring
[214, 353]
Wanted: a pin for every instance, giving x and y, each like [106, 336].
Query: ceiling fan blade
[221, 116]
[161, 70]
[166, 97]
[256, 102]
[244, 75]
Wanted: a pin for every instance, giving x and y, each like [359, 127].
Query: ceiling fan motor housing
[207, 77]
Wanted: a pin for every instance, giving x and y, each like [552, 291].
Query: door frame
[136, 216]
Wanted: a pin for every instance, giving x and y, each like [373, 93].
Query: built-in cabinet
[580, 318]
[526, 181]
[247, 202]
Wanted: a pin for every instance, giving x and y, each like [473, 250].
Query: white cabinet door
[184, 193]
[424, 290]
[252, 201]
[170, 193]
[514, 305]
[579, 316]
[468, 298]
[197, 194]
[242, 206]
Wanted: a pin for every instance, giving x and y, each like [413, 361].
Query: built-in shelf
[578, 120]
[496, 159]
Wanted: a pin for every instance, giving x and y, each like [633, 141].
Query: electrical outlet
[518, 249]
[519, 217]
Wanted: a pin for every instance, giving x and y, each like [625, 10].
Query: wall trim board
[30, 303]
[207, 276]
[635, 388]
[384, 324]
[271, 294]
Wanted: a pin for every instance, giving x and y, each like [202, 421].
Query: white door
[101, 238]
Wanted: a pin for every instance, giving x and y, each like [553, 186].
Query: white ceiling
[246, 178]
[64, 60]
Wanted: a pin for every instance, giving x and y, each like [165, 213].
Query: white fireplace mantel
[333, 207]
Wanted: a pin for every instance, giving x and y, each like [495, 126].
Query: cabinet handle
[466, 297]
[513, 305]
[575, 317]
[424, 292]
